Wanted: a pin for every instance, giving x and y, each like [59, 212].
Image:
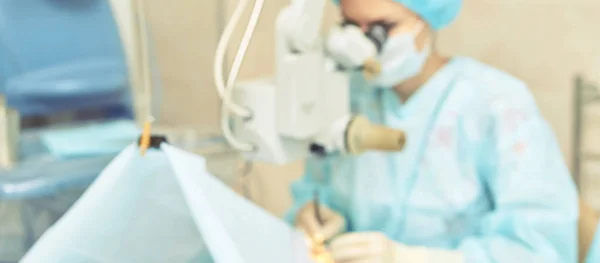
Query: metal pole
[577, 129]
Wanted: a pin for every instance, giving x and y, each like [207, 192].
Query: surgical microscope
[304, 110]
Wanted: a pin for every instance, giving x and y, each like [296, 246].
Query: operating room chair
[57, 56]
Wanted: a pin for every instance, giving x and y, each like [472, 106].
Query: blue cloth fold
[95, 139]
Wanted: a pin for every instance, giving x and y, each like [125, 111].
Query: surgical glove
[373, 247]
[332, 225]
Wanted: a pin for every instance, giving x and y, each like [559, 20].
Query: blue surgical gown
[481, 171]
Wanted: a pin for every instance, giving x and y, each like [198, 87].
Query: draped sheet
[166, 207]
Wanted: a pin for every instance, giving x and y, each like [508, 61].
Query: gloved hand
[373, 247]
[333, 223]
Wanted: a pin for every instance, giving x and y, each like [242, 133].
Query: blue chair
[61, 55]
[55, 56]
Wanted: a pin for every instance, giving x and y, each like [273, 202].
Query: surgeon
[481, 178]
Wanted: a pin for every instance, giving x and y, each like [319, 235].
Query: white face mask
[400, 59]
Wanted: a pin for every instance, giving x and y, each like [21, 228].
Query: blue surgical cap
[437, 13]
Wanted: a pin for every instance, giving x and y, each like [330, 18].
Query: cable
[241, 52]
[245, 43]
[220, 57]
